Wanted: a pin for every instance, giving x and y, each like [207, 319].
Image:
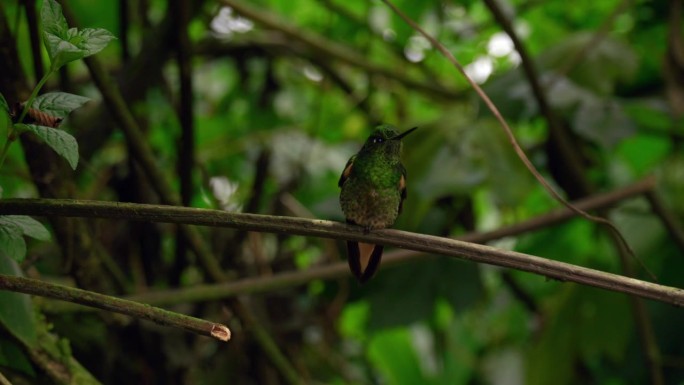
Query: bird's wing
[347, 171]
[402, 187]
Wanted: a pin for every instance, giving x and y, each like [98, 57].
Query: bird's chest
[370, 205]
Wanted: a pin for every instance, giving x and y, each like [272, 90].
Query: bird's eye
[377, 140]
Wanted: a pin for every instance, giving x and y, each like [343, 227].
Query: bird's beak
[403, 134]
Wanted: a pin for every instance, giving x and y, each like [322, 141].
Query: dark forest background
[255, 107]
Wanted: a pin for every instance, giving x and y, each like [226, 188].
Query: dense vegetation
[256, 106]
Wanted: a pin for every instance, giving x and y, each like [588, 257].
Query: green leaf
[52, 18]
[66, 44]
[393, 354]
[94, 40]
[62, 142]
[12, 241]
[3, 104]
[391, 305]
[16, 312]
[13, 356]
[603, 121]
[581, 324]
[61, 51]
[59, 104]
[29, 226]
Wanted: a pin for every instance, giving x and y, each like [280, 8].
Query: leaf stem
[12, 133]
[34, 93]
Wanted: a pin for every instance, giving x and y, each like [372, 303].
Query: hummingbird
[373, 187]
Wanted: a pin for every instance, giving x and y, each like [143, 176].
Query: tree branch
[328, 229]
[143, 154]
[330, 49]
[4, 380]
[571, 169]
[34, 35]
[666, 216]
[105, 302]
[200, 293]
[572, 162]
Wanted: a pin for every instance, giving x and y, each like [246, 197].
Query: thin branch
[495, 111]
[105, 302]
[330, 49]
[277, 44]
[4, 380]
[143, 154]
[558, 137]
[590, 203]
[507, 129]
[669, 221]
[328, 229]
[393, 46]
[201, 293]
[34, 35]
[124, 23]
[595, 40]
[186, 143]
[644, 325]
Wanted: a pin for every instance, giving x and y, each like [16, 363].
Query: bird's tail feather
[364, 259]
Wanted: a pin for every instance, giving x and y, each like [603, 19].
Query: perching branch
[328, 229]
[105, 302]
[251, 285]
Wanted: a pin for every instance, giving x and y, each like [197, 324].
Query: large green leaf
[603, 121]
[13, 356]
[392, 352]
[408, 293]
[12, 231]
[61, 51]
[584, 325]
[52, 19]
[16, 312]
[29, 226]
[62, 142]
[59, 104]
[603, 66]
[94, 40]
[12, 241]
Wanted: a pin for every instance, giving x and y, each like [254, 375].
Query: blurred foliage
[274, 123]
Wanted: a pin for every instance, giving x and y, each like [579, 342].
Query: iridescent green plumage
[373, 189]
